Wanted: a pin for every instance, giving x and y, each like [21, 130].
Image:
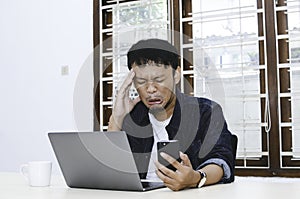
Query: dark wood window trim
[274, 162]
[96, 62]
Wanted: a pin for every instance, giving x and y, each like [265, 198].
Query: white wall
[37, 37]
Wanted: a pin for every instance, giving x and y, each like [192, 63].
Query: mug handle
[24, 171]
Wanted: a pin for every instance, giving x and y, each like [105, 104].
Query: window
[225, 35]
[123, 24]
[288, 62]
[244, 54]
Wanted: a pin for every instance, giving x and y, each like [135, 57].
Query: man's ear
[177, 75]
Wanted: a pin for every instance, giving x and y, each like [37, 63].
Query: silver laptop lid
[100, 160]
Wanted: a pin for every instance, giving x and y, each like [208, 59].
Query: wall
[37, 38]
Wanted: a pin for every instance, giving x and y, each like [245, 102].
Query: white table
[13, 186]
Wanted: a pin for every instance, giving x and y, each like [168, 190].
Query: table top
[14, 186]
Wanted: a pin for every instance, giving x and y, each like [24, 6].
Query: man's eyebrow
[157, 77]
[160, 76]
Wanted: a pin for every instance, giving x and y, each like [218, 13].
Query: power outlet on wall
[64, 70]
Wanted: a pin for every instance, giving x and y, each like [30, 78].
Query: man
[162, 112]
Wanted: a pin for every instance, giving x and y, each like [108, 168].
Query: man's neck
[162, 115]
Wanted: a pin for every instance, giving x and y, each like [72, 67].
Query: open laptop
[98, 160]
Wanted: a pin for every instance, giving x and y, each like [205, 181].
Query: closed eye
[140, 81]
[159, 80]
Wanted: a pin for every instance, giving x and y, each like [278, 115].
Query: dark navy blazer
[198, 124]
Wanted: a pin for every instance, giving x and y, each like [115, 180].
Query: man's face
[155, 84]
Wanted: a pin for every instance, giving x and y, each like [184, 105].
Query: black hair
[156, 50]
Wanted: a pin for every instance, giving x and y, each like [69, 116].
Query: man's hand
[184, 177]
[123, 104]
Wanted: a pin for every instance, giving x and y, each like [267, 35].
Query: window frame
[274, 142]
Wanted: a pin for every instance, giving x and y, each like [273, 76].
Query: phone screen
[133, 93]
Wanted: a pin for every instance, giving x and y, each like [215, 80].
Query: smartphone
[170, 147]
[133, 93]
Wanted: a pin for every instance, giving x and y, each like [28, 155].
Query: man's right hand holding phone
[183, 177]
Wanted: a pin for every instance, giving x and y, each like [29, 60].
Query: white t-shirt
[159, 133]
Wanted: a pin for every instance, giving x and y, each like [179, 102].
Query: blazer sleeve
[217, 146]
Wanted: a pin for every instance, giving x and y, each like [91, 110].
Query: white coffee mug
[37, 173]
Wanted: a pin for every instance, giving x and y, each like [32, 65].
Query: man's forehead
[152, 71]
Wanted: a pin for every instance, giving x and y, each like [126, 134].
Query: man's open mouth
[154, 101]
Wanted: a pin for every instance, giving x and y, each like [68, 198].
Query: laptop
[98, 160]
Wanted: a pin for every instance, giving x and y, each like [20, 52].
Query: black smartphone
[170, 147]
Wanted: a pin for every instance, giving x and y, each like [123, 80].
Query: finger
[165, 178]
[185, 159]
[171, 160]
[127, 83]
[168, 182]
[158, 165]
[166, 171]
[136, 100]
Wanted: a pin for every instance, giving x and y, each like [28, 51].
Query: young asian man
[162, 112]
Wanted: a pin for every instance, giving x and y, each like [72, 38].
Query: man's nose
[151, 88]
